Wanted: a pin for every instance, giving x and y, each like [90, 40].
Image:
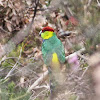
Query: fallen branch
[77, 52]
[39, 94]
[14, 67]
[89, 3]
[98, 3]
[43, 86]
[38, 81]
[66, 33]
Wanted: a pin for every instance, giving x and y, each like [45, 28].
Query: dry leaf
[9, 26]
[1, 3]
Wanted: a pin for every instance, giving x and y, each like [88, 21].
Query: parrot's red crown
[47, 28]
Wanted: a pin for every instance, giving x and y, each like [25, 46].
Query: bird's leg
[52, 87]
[51, 83]
[51, 90]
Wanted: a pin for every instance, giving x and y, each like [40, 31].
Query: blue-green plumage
[50, 46]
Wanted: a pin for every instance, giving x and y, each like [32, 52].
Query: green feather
[50, 46]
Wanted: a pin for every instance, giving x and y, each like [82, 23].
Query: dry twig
[14, 67]
[77, 52]
[38, 81]
[98, 3]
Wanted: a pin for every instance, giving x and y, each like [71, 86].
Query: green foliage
[8, 63]
[91, 43]
[97, 39]
[5, 64]
[84, 65]
[48, 2]
[72, 97]
[21, 95]
[77, 47]
[16, 52]
[90, 46]
[9, 92]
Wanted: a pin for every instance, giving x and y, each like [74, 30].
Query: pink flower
[74, 62]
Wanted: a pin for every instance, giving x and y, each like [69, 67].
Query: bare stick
[77, 52]
[38, 81]
[39, 94]
[89, 3]
[98, 3]
[43, 86]
[84, 72]
[66, 33]
[14, 67]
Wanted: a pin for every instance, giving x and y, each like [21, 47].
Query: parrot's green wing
[50, 46]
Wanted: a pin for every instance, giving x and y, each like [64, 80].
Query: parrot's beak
[40, 32]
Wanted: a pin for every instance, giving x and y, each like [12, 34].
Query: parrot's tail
[56, 69]
[56, 76]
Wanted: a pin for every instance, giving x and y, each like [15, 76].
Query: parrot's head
[47, 32]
